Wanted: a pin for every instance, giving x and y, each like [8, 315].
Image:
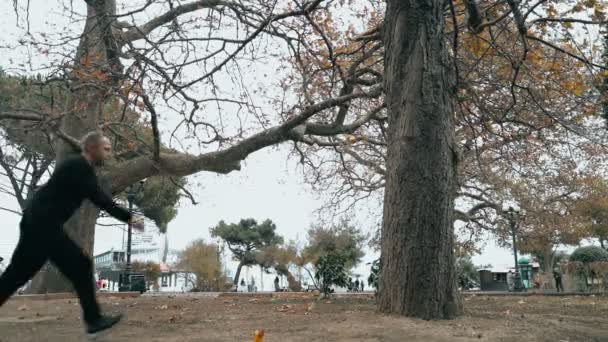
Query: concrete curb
[539, 294]
[369, 295]
[289, 295]
[292, 295]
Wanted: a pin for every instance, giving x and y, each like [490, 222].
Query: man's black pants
[39, 243]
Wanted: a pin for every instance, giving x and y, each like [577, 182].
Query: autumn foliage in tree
[204, 261]
[592, 209]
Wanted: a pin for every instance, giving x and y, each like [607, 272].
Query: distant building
[110, 260]
[494, 279]
[110, 265]
[500, 278]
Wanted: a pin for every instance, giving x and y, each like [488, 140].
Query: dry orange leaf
[259, 336]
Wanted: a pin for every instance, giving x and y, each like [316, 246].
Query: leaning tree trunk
[418, 273]
[238, 273]
[90, 79]
[292, 283]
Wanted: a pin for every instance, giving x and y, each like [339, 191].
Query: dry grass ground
[173, 319]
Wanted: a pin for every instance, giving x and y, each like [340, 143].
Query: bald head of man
[96, 148]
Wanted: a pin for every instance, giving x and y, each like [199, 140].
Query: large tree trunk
[85, 113]
[293, 284]
[418, 273]
[548, 255]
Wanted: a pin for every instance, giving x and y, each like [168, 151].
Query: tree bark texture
[85, 114]
[418, 276]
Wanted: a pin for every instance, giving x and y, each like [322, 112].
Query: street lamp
[513, 214]
[131, 192]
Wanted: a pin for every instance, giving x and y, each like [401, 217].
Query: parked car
[137, 282]
[311, 288]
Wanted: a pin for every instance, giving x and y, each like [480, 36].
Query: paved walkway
[367, 294]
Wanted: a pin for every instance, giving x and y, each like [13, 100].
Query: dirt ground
[182, 319]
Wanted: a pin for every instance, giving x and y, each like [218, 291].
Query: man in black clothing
[42, 237]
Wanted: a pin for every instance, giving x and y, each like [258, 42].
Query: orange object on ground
[259, 336]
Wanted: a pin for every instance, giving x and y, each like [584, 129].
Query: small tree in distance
[246, 240]
[342, 239]
[203, 259]
[280, 258]
[331, 271]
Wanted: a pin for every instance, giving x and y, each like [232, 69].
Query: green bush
[467, 273]
[589, 254]
[331, 271]
[374, 275]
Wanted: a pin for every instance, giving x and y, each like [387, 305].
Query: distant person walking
[510, 281]
[277, 288]
[557, 275]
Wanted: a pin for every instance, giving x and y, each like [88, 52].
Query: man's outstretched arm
[101, 199]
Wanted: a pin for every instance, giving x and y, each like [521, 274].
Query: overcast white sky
[268, 186]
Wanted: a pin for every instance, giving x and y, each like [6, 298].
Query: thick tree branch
[322, 129]
[227, 160]
[19, 116]
[568, 20]
[73, 142]
[140, 32]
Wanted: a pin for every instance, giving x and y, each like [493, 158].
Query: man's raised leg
[29, 256]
